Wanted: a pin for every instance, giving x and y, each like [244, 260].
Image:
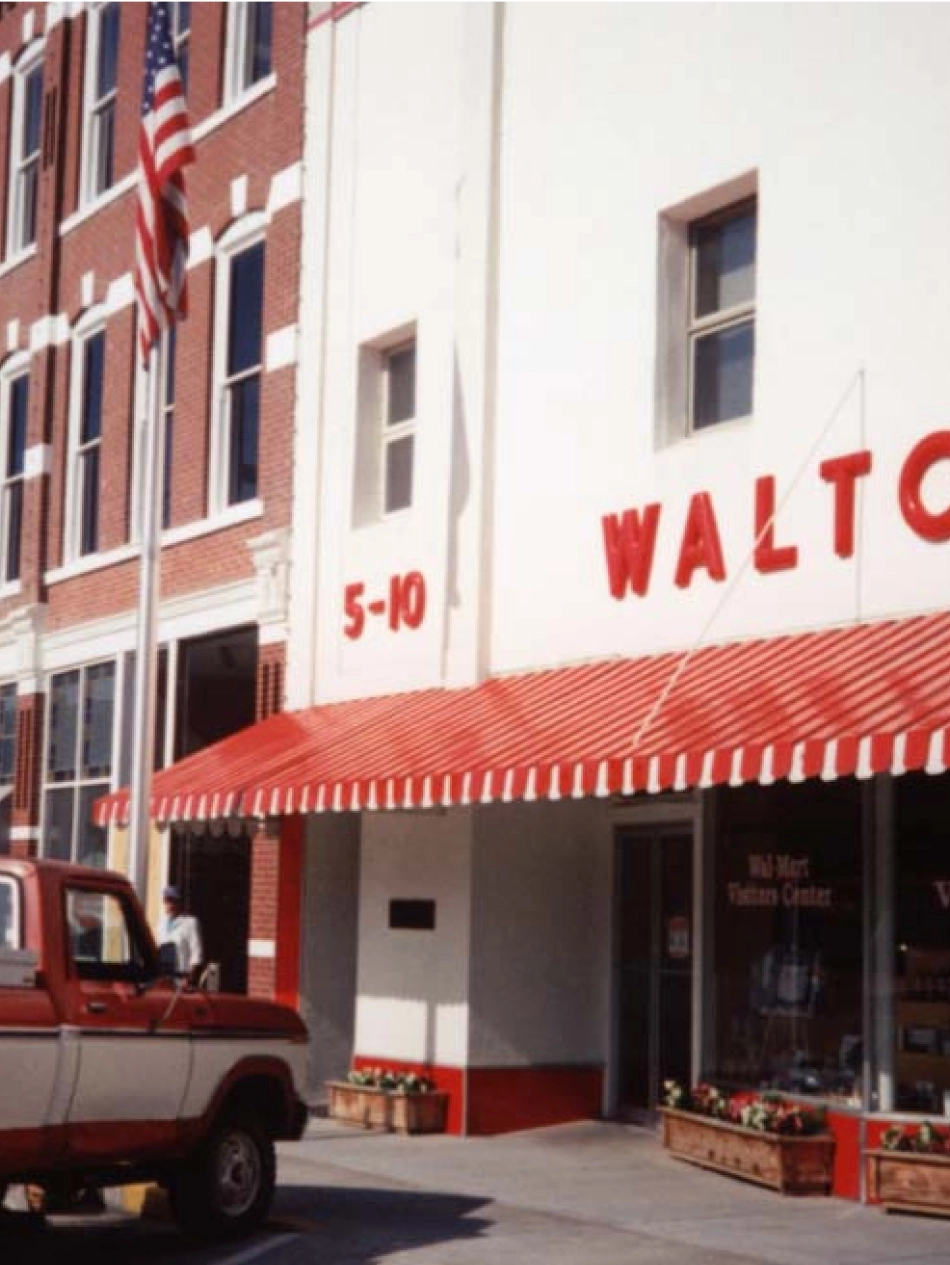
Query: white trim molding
[38, 460]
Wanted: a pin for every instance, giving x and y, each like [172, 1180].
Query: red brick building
[71, 417]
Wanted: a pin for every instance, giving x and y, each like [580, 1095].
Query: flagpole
[146, 653]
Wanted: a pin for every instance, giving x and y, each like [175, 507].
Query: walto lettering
[630, 536]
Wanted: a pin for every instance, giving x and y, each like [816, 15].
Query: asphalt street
[586, 1194]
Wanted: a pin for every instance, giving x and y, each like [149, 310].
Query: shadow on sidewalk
[345, 1225]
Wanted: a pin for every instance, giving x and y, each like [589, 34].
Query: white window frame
[373, 435]
[94, 107]
[241, 236]
[15, 369]
[238, 81]
[673, 380]
[21, 165]
[92, 325]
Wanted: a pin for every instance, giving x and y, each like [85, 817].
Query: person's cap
[171, 893]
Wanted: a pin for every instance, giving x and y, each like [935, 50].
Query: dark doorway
[655, 964]
[214, 875]
[216, 695]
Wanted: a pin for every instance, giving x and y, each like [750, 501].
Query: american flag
[161, 222]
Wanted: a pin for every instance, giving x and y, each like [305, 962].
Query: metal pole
[146, 654]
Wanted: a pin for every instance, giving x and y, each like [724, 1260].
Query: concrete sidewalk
[587, 1193]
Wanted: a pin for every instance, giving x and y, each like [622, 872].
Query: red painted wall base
[503, 1099]
[486, 1100]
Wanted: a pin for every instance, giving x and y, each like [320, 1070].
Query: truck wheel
[226, 1188]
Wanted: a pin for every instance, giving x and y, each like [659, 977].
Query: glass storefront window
[786, 969]
[921, 1034]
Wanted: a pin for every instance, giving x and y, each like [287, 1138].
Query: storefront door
[655, 963]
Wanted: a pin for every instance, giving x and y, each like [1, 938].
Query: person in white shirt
[183, 931]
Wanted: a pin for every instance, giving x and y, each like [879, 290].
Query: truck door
[134, 1034]
[31, 1067]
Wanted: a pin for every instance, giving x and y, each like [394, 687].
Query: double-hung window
[25, 133]
[14, 404]
[250, 37]
[721, 323]
[242, 309]
[78, 762]
[83, 537]
[8, 695]
[102, 63]
[398, 426]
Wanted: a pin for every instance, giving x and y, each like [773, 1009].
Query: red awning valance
[866, 699]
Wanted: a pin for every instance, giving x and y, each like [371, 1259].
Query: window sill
[683, 435]
[11, 589]
[91, 562]
[235, 106]
[245, 512]
[99, 203]
[21, 257]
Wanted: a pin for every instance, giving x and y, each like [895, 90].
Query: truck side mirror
[167, 958]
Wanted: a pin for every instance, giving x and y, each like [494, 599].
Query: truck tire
[225, 1188]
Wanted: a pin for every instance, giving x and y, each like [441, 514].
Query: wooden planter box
[793, 1165]
[906, 1181]
[372, 1108]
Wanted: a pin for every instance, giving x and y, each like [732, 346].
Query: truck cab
[115, 1071]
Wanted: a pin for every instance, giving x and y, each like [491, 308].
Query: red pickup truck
[113, 1071]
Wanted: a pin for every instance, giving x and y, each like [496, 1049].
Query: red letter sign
[843, 473]
[629, 545]
[767, 557]
[928, 526]
[701, 546]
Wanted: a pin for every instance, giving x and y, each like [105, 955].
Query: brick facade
[79, 275]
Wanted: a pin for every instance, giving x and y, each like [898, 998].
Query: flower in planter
[765, 1112]
[924, 1138]
[389, 1081]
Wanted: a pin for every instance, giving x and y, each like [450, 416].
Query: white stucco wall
[612, 115]
[399, 162]
[412, 986]
[532, 282]
[541, 935]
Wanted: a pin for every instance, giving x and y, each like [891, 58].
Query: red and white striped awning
[855, 701]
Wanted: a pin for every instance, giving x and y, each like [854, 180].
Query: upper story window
[83, 490]
[78, 762]
[398, 426]
[102, 63]
[240, 315]
[181, 36]
[250, 28]
[25, 133]
[386, 429]
[721, 326]
[14, 407]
